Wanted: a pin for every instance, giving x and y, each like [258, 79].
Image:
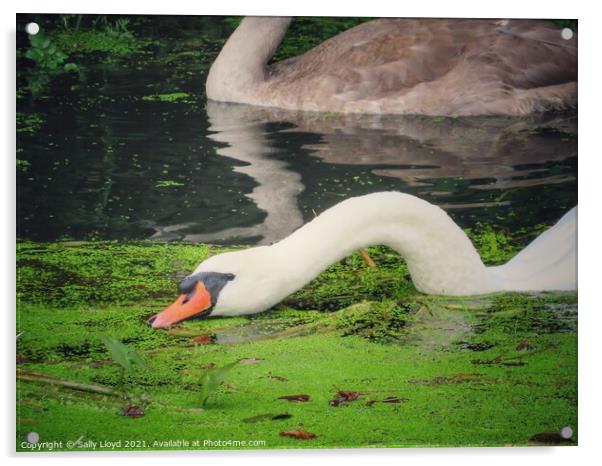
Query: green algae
[491, 370]
[29, 123]
[172, 97]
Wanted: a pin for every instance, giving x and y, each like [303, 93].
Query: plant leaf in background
[122, 355]
[212, 379]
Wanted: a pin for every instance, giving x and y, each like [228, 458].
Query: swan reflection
[417, 154]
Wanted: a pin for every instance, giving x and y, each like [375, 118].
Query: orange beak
[182, 309]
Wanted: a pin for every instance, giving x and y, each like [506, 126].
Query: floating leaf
[132, 411]
[301, 398]
[212, 379]
[344, 397]
[524, 346]
[298, 434]
[204, 340]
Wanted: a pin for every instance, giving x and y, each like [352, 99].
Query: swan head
[232, 283]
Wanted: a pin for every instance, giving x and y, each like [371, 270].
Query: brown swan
[404, 66]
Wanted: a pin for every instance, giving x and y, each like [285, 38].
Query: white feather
[440, 257]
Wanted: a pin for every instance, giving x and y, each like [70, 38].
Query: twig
[43, 378]
[367, 259]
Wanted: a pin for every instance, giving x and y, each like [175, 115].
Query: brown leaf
[302, 398]
[204, 340]
[344, 397]
[132, 411]
[348, 396]
[524, 346]
[298, 434]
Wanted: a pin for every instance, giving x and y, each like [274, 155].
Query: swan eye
[187, 285]
[213, 281]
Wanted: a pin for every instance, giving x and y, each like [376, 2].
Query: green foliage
[86, 41]
[233, 21]
[212, 379]
[71, 22]
[566, 23]
[119, 29]
[495, 247]
[99, 34]
[123, 355]
[308, 32]
[47, 54]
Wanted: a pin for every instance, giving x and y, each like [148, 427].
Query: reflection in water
[496, 153]
[105, 161]
[277, 186]
[416, 149]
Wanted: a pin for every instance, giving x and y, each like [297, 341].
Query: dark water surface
[107, 159]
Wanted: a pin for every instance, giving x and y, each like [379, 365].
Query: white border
[590, 168]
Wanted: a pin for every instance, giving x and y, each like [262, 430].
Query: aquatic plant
[212, 379]
[98, 35]
[127, 358]
[167, 184]
[172, 97]
[28, 123]
[23, 164]
[47, 54]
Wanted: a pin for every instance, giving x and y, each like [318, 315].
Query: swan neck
[439, 255]
[243, 59]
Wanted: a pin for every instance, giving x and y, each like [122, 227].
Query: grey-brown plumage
[404, 66]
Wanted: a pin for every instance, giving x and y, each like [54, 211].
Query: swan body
[440, 257]
[403, 66]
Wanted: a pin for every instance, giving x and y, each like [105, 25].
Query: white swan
[439, 255]
[403, 66]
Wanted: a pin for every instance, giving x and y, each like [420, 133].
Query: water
[105, 162]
